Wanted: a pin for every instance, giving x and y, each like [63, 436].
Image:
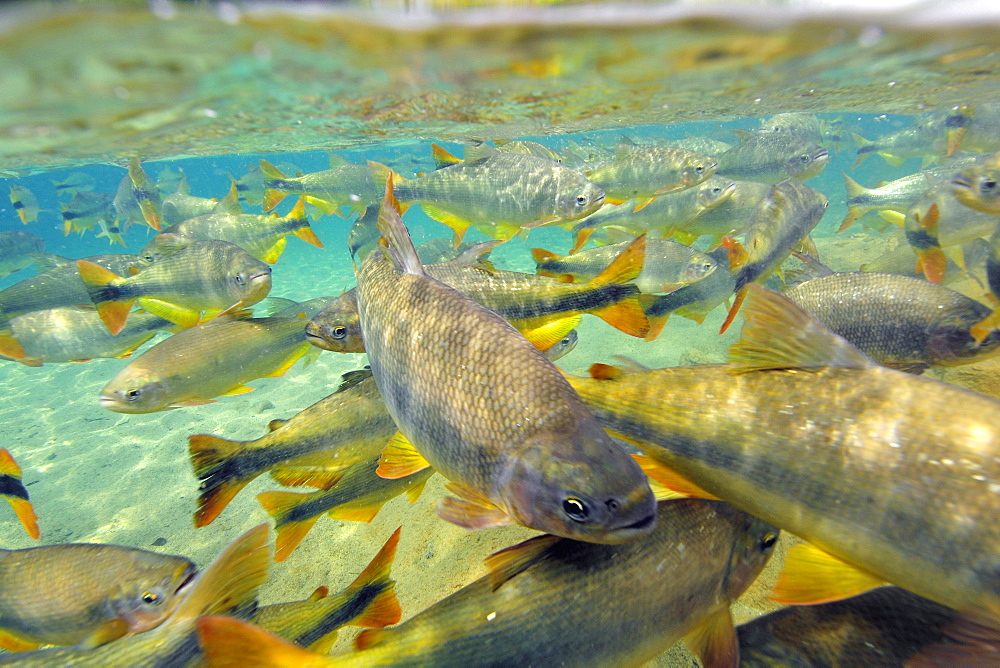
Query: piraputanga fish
[678, 581]
[483, 407]
[228, 586]
[981, 130]
[666, 267]
[314, 447]
[25, 203]
[693, 301]
[138, 200]
[646, 172]
[804, 431]
[14, 491]
[772, 157]
[73, 334]
[345, 184]
[74, 183]
[728, 218]
[779, 222]
[504, 191]
[263, 237]
[185, 278]
[85, 211]
[927, 138]
[17, 250]
[902, 322]
[884, 627]
[82, 592]
[212, 359]
[543, 309]
[357, 497]
[978, 186]
[369, 601]
[59, 285]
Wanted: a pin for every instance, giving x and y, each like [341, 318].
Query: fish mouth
[959, 181]
[645, 523]
[107, 402]
[822, 155]
[187, 581]
[316, 340]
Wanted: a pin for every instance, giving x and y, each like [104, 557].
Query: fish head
[578, 198]
[160, 582]
[590, 491]
[697, 169]
[753, 548]
[700, 266]
[134, 393]
[807, 162]
[978, 188]
[715, 191]
[248, 280]
[337, 327]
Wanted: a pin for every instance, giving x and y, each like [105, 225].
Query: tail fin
[231, 643]
[626, 315]
[280, 505]
[626, 267]
[272, 195]
[865, 149]
[146, 194]
[214, 462]
[102, 287]
[10, 346]
[383, 610]
[303, 229]
[14, 491]
[854, 211]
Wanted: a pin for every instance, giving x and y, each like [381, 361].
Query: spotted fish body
[487, 410]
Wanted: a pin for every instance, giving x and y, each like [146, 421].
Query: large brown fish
[557, 602]
[314, 446]
[80, 592]
[902, 322]
[486, 409]
[892, 473]
[211, 359]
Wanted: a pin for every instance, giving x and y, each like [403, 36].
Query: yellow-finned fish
[212, 359]
[74, 183]
[14, 491]
[73, 334]
[184, 278]
[728, 218]
[628, 604]
[928, 137]
[483, 407]
[85, 211]
[978, 186]
[501, 193]
[138, 200]
[313, 447]
[646, 172]
[262, 236]
[228, 586]
[693, 301]
[85, 593]
[890, 476]
[345, 184]
[18, 249]
[25, 203]
[357, 497]
[370, 601]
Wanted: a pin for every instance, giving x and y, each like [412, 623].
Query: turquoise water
[98, 476]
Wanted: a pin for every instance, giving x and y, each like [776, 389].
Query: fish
[884, 627]
[85, 593]
[503, 193]
[184, 278]
[977, 186]
[870, 465]
[563, 347]
[987, 327]
[693, 301]
[345, 184]
[704, 145]
[646, 172]
[728, 218]
[667, 266]
[370, 601]
[543, 309]
[901, 322]
[779, 221]
[772, 157]
[211, 359]
[87, 210]
[977, 127]
[180, 206]
[14, 491]
[73, 334]
[525, 147]
[357, 497]
[667, 213]
[261, 236]
[315, 446]
[800, 124]
[25, 203]
[18, 249]
[679, 581]
[228, 586]
[137, 199]
[59, 285]
[482, 406]
[927, 138]
[76, 182]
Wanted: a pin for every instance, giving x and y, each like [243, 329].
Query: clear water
[92, 88]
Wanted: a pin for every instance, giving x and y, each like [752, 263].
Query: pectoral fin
[472, 510]
[400, 459]
[813, 576]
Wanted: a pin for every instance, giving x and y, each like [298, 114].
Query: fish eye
[699, 169]
[804, 159]
[151, 598]
[133, 394]
[239, 279]
[575, 509]
[987, 184]
[581, 200]
[768, 541]
[339, 332]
